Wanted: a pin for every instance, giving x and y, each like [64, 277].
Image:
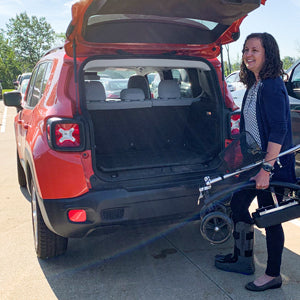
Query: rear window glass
[114, 80]
[134, 28]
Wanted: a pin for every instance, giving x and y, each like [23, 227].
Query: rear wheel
[47, 243]
[216, 227]
[21, 173]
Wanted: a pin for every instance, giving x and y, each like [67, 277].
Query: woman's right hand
[262, 179]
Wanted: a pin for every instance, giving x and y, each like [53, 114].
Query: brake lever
[203, 191]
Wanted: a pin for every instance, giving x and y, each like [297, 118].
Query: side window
[183, 79]
[296, 75]
[176, 75]
[232, 78]
[45, 79]
[38, 83]
[229, 79]
[295, 80]
[31, 86]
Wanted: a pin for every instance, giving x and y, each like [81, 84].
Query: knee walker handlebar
[203, 190]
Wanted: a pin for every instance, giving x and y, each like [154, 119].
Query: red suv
[91, 161]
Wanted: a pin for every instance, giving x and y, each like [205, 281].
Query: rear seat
[169, 95]
[139, 81]
[168, 90]
[133, 98]
[95, 94]
[138, 124]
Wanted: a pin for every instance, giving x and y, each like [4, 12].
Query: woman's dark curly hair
[272, 67]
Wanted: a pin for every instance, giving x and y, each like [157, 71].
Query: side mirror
[16, 84]
[12, 99]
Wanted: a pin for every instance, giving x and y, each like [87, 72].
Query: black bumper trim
[119, 207]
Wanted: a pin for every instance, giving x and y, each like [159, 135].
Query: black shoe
[225, 258]
[273, 284]
[229, 263]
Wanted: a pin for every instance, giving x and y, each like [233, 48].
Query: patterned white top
[250, 114]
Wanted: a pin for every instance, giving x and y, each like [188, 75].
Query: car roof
[26, 75]
[139, 26]
[232, 73]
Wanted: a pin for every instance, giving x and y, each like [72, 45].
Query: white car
[238, 96]
[233, 82]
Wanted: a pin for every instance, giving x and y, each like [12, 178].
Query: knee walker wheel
[216, 227]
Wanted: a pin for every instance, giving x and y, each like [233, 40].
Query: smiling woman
[266, 116]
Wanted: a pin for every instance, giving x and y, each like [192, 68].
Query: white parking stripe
[4, 120]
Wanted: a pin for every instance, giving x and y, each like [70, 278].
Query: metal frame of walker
[216, 226]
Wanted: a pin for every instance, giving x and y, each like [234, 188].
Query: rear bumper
[119, 207]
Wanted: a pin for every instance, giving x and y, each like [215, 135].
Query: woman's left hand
[262, 179]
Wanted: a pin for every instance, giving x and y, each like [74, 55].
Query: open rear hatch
[139, 26]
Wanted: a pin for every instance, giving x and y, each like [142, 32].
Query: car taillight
[235, 124]
[65, 134]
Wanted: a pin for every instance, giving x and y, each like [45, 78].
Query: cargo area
[158, 117]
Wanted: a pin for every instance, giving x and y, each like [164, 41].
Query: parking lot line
[3, 124]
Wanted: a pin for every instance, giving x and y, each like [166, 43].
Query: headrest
[168, 89]
[94, 91]
[91, 76]
[139, 81]
[132, 94]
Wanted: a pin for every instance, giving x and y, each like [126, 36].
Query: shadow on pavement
[158, 263]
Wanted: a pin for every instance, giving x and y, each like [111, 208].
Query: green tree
[236, 66]
[59, 39]
[287, 62]
[9, 66]
[228, 68]
[30, 38]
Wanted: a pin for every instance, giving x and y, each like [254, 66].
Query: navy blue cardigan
[274, 124]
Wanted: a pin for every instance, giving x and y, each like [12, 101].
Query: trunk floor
[148, 159]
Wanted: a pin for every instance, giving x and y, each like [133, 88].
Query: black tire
[21, 173]
[47, 243]
[216, 227]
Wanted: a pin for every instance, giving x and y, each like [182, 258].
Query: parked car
[113, 87]
[92, 163]
[20, 78]
[293, 87]
[238, 96]
[293, 80]
[233, 82]
[182, 78]
[23, 87]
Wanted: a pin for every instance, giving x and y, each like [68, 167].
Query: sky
[281, 18]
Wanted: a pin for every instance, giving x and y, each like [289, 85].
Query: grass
[4, 91]
[7, 90]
